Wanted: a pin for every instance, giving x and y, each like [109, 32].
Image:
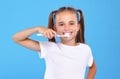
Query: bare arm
[92, 71]
[22, 37]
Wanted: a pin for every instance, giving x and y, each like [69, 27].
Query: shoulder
[87, 49]
[85, 46]
[48, 44]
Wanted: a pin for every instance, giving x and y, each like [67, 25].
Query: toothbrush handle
[39, 34]
[57, 35]
[42, 35]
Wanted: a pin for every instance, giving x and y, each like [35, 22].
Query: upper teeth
[67, 34]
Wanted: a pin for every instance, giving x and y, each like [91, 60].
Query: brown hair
[80, 33]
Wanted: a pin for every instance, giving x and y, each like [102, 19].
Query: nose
[66, 27]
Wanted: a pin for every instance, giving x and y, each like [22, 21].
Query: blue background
[102, 25]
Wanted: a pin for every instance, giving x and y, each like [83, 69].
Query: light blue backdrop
[102, 25]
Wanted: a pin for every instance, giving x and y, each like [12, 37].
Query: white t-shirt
[65, 62]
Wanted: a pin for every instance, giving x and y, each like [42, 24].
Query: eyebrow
[60, 22]
[63, 22]
[71, 21]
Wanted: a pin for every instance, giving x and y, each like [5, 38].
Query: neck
[70, 43]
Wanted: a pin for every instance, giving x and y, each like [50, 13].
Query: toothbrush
[65, 35]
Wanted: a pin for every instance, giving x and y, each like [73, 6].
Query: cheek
[74, 28]
[59, 30]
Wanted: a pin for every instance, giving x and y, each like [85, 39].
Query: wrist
[39, 29]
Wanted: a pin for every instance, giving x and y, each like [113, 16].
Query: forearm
[92, 71]
[24, 34]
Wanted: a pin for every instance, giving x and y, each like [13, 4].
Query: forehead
[65, 16]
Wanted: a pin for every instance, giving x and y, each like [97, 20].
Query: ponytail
[80, 34]
[51, 23]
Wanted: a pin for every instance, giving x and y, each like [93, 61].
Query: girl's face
[66, 22]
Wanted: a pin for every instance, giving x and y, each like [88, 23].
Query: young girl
[68, 58]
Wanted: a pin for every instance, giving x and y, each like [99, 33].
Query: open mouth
[67, 34]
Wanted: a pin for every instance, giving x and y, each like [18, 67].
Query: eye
[61, 24]
[72, 23]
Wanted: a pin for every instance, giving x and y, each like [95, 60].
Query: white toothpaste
[65, 35]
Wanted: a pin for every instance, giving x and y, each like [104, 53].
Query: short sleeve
[45, 48]
[42, 53]
[90, 58]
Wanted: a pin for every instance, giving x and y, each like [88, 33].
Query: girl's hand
[48, 33]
